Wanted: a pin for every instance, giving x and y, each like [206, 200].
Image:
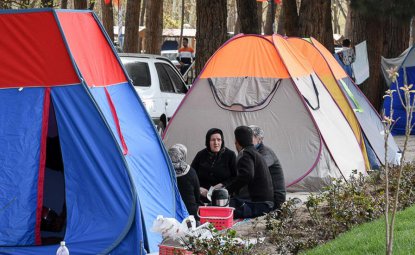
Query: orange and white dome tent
[265, 81]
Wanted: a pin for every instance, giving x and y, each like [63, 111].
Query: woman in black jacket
[187, 180]
[215, 165]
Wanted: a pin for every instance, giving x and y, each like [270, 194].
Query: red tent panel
[93, 55]
[32, 52]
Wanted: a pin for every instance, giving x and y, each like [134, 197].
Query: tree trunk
[248, 16]
[336, 26]
[80, 4]
[270, 19]
[192, 15]
[154, 27]
[370, 29]
[237, 28]
[396, 38]
[315, 21]
[348, 28]
[211, 23]
[132, 17]
[232, 16]
[290, 17]
[108, 18]
[259, 14]
[281, 19]
[143, 12]
[385, 36]
[182, 24]
[412, 39]
[47, 4]
[64, 4]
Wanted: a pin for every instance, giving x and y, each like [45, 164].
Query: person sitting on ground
[273, 164]
[215, 165]
[187, 180]
[252, 172]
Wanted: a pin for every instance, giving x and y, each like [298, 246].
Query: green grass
[369, 238]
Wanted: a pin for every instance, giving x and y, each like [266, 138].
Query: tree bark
[336, 26]
[248, 16]
[369, 29]
[315, 21]
[132, 17]
[291, 17]
[192, 15]
[385, 36]
[270, 19]
[210, 23]
[281, 20]
[182, 24]
[154, 27]
[259, 15]
[64, 4]
[143, 12]
[412, 39]
[396, 39]
[232, 16]
[80, 4]
[108, 18]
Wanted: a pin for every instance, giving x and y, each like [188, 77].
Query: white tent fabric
[361, 64]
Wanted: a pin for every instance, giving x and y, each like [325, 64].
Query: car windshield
[138, 72]
[170, 56]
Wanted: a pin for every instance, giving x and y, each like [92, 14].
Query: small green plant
[223, 243]
[392, 203]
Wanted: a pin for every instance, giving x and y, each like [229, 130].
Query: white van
[158, 83]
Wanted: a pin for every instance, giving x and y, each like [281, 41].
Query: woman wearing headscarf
[187, 180]
[215, 165]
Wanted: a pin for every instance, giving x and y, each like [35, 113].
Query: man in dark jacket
[273, 164]
[252, 171]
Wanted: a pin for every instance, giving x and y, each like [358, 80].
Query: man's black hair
[243, 135]
[346, 43]
[186, 39]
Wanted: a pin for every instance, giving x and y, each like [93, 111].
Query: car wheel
[160, 128]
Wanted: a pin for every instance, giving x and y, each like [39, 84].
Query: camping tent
[405, 64]
[362, 117]
[60, 80]
[262, 80]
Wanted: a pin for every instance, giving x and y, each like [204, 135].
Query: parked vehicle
[158, 83]
[172, 55]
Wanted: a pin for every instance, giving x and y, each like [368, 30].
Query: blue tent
[75, 140]
[406, 69]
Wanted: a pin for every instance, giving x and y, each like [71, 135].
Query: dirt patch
[410, 149]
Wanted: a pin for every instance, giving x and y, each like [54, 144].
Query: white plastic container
[62, 250]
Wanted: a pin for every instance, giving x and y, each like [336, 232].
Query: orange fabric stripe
[322, 69]
[312, 55]
[297, 64]
[338, 72]
[247, 55]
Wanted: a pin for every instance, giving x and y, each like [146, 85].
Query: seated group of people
[254, 178]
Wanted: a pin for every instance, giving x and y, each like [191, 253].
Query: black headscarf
[211, 132]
